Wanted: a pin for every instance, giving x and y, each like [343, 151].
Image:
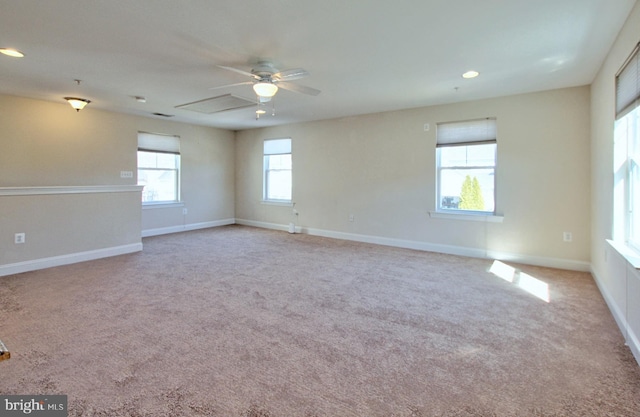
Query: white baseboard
[186, 227]
[431, 247]
[71, 258]
[19, 267]
[557, 263]
[265, 225]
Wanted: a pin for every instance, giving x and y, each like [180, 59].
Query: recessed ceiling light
[470, 74]
[11, 52]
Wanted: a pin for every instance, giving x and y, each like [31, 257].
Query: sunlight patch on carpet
[526, 282]
[502, 270]
[534, 286]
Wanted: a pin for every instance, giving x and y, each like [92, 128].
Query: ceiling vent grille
[217, 104]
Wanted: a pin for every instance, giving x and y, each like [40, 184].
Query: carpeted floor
[238, 321]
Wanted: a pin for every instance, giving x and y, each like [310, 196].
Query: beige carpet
[238, 321]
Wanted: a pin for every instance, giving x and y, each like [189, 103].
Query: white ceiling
[365, 56]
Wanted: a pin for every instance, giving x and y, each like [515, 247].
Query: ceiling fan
[266, 80]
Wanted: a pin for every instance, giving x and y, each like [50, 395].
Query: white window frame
[161, 144]
[271, 148]
[465, 133]
[626, 217]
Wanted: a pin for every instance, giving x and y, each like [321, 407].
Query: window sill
[277, 203]
[488, 218]
[148, 206]
[632, 256]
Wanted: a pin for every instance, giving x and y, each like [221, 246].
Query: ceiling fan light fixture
[77, 103]
[11, 52]
[265, 89]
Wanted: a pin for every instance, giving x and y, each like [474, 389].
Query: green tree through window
[471, 195]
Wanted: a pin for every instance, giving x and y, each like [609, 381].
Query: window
[277, 170]
[627, 153]
[466, 164]
[159, 168]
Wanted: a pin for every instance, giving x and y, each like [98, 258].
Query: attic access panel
[217, 104]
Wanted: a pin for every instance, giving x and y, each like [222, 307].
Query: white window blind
[467, 132]
[628, 84]
[277, 146]
[158, 143]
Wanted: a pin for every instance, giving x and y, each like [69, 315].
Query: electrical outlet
[19, 238]
[185, 211]
[351, 217]
[567, 237]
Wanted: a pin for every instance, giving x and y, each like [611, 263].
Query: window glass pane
[277, 177]
[280, 161]
[157, 160]
[279, 185]
[166, 160]
[146, 159]
[467, 189]
[159, 174]
[453, 156]
[634, 220]
[159, 184]
[633, 140]
[468, 156]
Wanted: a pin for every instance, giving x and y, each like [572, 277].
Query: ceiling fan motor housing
[264, 70]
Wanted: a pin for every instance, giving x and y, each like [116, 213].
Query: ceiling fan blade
[298, 88]
[239, 71]
[291, 74]
[231, 85]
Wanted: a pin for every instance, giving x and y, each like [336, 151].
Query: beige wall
[381, 169]
[49, 145]
[618, 281]
[207, 170]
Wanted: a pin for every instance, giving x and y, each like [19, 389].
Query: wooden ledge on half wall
[4, 352]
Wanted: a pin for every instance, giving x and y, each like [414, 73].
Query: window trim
[627, 102]
[159, 143]
[439, 169]
[475, 216]
[277, 149]
[468, 137]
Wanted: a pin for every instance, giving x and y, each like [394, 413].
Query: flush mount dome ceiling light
[265, 89]
[11, 52]
[77, 103]
[470, 74]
